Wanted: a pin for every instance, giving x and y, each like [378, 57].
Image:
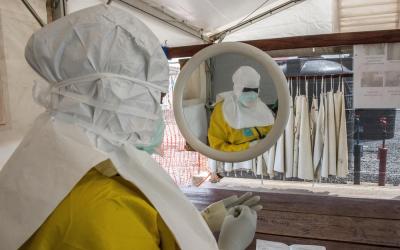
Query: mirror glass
[230, 102]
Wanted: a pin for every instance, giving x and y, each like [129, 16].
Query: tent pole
[255, 19]
[33, 12]
[165, 17]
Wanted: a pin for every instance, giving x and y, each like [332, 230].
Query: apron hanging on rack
[279, 155]
[314, 114]
[261, 166]
[289, 137]
[325, 153]
[228, 167]
[337, 100]
[244, 165]
[319, 134]
[279, 162]
[331, 132]
[305, 164]
[343, 157]
[297, 108]
[269, 158]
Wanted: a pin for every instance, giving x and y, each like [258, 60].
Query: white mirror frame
[278, 79]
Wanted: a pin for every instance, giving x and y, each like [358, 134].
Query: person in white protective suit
[82, 178]
[240, 118]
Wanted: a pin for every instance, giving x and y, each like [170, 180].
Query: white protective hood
[235, 114]
[105, 71]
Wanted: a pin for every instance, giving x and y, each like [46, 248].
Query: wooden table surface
[333, 222]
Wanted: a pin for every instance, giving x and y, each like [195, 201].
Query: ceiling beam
[297, 42]
[165, 17]
[255, 19]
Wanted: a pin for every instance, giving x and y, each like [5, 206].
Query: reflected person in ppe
[83, 178]
[240, 118]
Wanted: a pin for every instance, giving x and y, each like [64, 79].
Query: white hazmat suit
[105, 71]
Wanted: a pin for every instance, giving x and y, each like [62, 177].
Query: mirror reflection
[230, 102]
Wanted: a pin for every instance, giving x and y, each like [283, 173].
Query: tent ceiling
[188, 22]
[211, 16]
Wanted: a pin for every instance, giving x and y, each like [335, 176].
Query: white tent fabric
[212, 16]
[163, 31]
[365, 15]
[307, 18]
[215, 16]
[17, 25]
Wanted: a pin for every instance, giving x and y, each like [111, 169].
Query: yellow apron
[225, 138]
[103, 213]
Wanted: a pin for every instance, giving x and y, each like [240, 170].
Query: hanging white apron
[269, 158]
[319, 138]
[343, 157]
[297, 121]
[331, 134]
[313, 120]
[337, 101]
[279, 164]
[260, 167]
[55, 155]
[244, 165]
[289, 140]
[305, 164]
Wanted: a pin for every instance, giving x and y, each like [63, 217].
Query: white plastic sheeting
[17, 25]
[365, 15]
[307, 18]
[164, 32]
[212, 16]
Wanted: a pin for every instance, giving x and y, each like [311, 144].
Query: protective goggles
[250, 90]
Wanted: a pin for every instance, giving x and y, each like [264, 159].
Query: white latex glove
[215, 213]
[238, 228]
[253, 143]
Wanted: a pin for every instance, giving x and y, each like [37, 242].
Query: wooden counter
[334, 222]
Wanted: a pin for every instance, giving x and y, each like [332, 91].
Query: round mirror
[231, 102]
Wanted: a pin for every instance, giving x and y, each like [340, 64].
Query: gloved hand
[253, 143]
[238, 228]
[215, 213]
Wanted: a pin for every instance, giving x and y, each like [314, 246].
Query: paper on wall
[377, 75]
[273, 245]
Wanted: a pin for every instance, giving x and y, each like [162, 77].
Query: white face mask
[248, 99]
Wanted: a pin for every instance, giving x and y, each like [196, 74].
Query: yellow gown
[222, 137]
[103, 213]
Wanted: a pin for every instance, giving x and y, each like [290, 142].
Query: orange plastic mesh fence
[180, 163]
